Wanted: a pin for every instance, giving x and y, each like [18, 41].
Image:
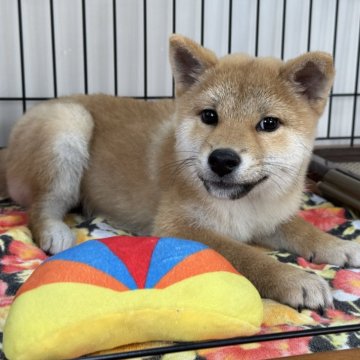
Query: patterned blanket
[19, 257]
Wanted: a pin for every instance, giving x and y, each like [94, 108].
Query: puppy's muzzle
[223, 161]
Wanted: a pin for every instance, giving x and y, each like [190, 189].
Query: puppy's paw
[55, 236]
[338, 252]
[301, 289]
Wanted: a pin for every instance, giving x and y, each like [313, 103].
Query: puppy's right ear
[189, 61]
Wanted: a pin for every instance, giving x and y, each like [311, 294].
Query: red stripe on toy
[61, 271]
[202, 262]
[135, 253]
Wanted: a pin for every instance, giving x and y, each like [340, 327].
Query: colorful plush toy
[121, 290]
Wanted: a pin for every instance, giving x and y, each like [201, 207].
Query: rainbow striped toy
[121, 290]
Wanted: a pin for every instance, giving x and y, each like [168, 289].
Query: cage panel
[51, 48]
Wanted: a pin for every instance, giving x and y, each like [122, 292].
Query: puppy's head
[246, 124]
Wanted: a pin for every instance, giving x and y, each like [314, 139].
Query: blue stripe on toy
[168, 253]
[99, 256]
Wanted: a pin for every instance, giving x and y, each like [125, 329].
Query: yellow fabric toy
[121, 290]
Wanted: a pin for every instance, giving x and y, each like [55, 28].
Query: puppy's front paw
[55, 236]
[301, 289]
[338, 252]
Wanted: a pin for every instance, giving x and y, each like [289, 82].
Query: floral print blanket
[19, 256]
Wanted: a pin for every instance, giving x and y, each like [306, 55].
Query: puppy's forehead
[241, 80]
[249, 69]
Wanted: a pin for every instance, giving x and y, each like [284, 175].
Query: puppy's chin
[230, 191]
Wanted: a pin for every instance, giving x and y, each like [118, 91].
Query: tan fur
[140, 164]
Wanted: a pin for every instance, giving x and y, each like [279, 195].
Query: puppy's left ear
[189, 61]
[311, 75]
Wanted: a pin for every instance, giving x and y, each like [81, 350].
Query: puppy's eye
[268, 124]
[209, 117]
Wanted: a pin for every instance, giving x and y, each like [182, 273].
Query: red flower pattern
[263, 350]
[308, 265]
[332, 315]
[324, 218]
[4, 299]
[348, 281]
[11, 219]
[21, 257]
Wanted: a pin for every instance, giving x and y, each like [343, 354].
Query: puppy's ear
[189, 61]
[311, 75]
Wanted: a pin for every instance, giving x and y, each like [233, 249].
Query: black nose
[223, 161]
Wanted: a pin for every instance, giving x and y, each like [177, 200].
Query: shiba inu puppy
[224, 164]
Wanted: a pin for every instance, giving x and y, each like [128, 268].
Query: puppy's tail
[3, 187]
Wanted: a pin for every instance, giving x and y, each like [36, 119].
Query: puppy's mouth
[230, 190]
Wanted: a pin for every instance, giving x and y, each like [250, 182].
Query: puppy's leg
[48, 153]
[69, 156]
[302, 238]
[273, 279]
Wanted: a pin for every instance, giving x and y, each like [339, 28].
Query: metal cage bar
[53, 47]
[83, 10]
[22, 62]
[115, 47]
[145, 48]
[334, 54]
[353, 124]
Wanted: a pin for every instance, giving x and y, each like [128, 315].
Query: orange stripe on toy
[69, 271]
[202, 262]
